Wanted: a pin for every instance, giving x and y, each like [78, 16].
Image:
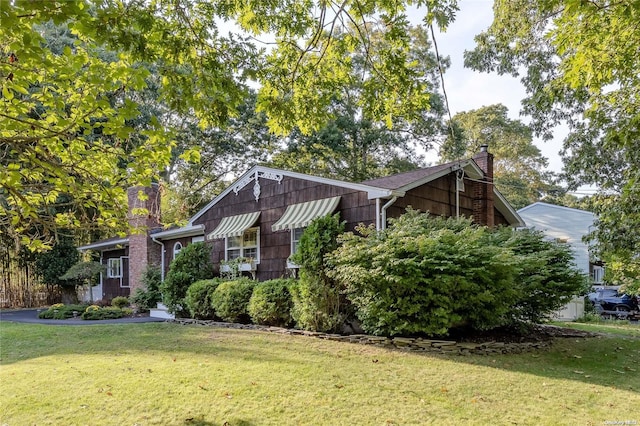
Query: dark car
[599, 294]
[618, 305]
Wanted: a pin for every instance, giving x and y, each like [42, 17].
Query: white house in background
[568, 226]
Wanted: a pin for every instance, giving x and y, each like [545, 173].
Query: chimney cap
[484, 147]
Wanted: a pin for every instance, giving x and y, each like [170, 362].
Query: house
[567, 225]
[261, 216]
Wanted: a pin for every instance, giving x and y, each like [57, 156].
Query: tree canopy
[519, 165]
[67, 146]
[579, 64]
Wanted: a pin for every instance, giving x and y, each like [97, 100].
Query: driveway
[31, 316]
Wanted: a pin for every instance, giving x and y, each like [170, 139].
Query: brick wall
[483, 202]
[142, 250]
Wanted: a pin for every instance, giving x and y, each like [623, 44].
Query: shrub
[120, 302]
[318, 304]
[271, 303]
[547, 277]
[198, 298]
[230, 300]
[102, 302]
[191, 265]
[60, 311]
[111, 312]
[426, 275]
[147, 298]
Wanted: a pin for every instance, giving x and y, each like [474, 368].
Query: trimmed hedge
[271, 303]
[198, 298]
[94, 312]
[61, 311]
[230, 300]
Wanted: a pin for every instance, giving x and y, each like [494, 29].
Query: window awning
[300, 215]
[233, 226]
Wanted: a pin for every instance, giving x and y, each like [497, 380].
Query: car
[618, 305]
[601, 293]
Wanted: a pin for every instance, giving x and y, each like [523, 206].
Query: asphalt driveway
[31, 316]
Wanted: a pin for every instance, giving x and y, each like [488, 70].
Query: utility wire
[444, 90]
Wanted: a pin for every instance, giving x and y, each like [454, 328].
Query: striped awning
[300, 215]
[233, 226]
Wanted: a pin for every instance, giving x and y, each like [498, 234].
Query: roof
[109, 243]
[402, 179]
[372, 191]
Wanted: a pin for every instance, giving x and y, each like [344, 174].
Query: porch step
[161, 311]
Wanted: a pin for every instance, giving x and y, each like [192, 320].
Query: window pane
[251, 253]
[251, 238]
[297, 233]
[234, 242]
[233, 254]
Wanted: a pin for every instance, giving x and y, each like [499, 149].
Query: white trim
[105, 244]
[176, 249]
[185, 231]
[372, 191]
[114, 271]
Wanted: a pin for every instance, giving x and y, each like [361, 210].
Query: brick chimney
[483, 204]
[142, 250]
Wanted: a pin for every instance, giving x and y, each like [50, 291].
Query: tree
[222, 152]
[581, 67]
[519, 165]
[64, 128]
[318, 302]
[52, 265]
[356, 146]
[84, 273]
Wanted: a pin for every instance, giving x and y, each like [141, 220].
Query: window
[597, 274]
[114, 268]
[295, 238]
[177, 247]
[245, 245]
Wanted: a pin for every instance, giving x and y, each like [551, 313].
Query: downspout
[378, 213]
[161, 258]
[384, 211]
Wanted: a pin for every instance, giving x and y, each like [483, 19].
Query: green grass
[621, 328]
[167, 374]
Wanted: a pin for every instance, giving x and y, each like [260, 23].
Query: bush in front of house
[230, 300]
[426, 275]
[61, 311]
[120, 302]
[95, 312]
[318, 302]
[192, 264]
[547, 277]
[147, 298]
[431, 275]
[271, 303]
[198, 298]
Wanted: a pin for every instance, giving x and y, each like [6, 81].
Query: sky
[467, 89]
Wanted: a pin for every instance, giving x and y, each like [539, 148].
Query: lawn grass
[167, 374]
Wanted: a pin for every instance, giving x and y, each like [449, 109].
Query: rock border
[418, 344]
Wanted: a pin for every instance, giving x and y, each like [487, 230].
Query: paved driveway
[31, 316]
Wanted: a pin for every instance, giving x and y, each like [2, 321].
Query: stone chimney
[483, 203]
[142, 250]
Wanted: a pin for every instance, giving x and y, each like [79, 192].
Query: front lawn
[167, 374]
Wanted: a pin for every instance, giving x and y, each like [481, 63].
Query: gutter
[161, 257]
[383, 213]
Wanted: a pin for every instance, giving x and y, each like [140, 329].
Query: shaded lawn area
[167, 374]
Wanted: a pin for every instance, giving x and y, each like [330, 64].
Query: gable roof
[385, 187]
[540, 204]
[371, 190]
